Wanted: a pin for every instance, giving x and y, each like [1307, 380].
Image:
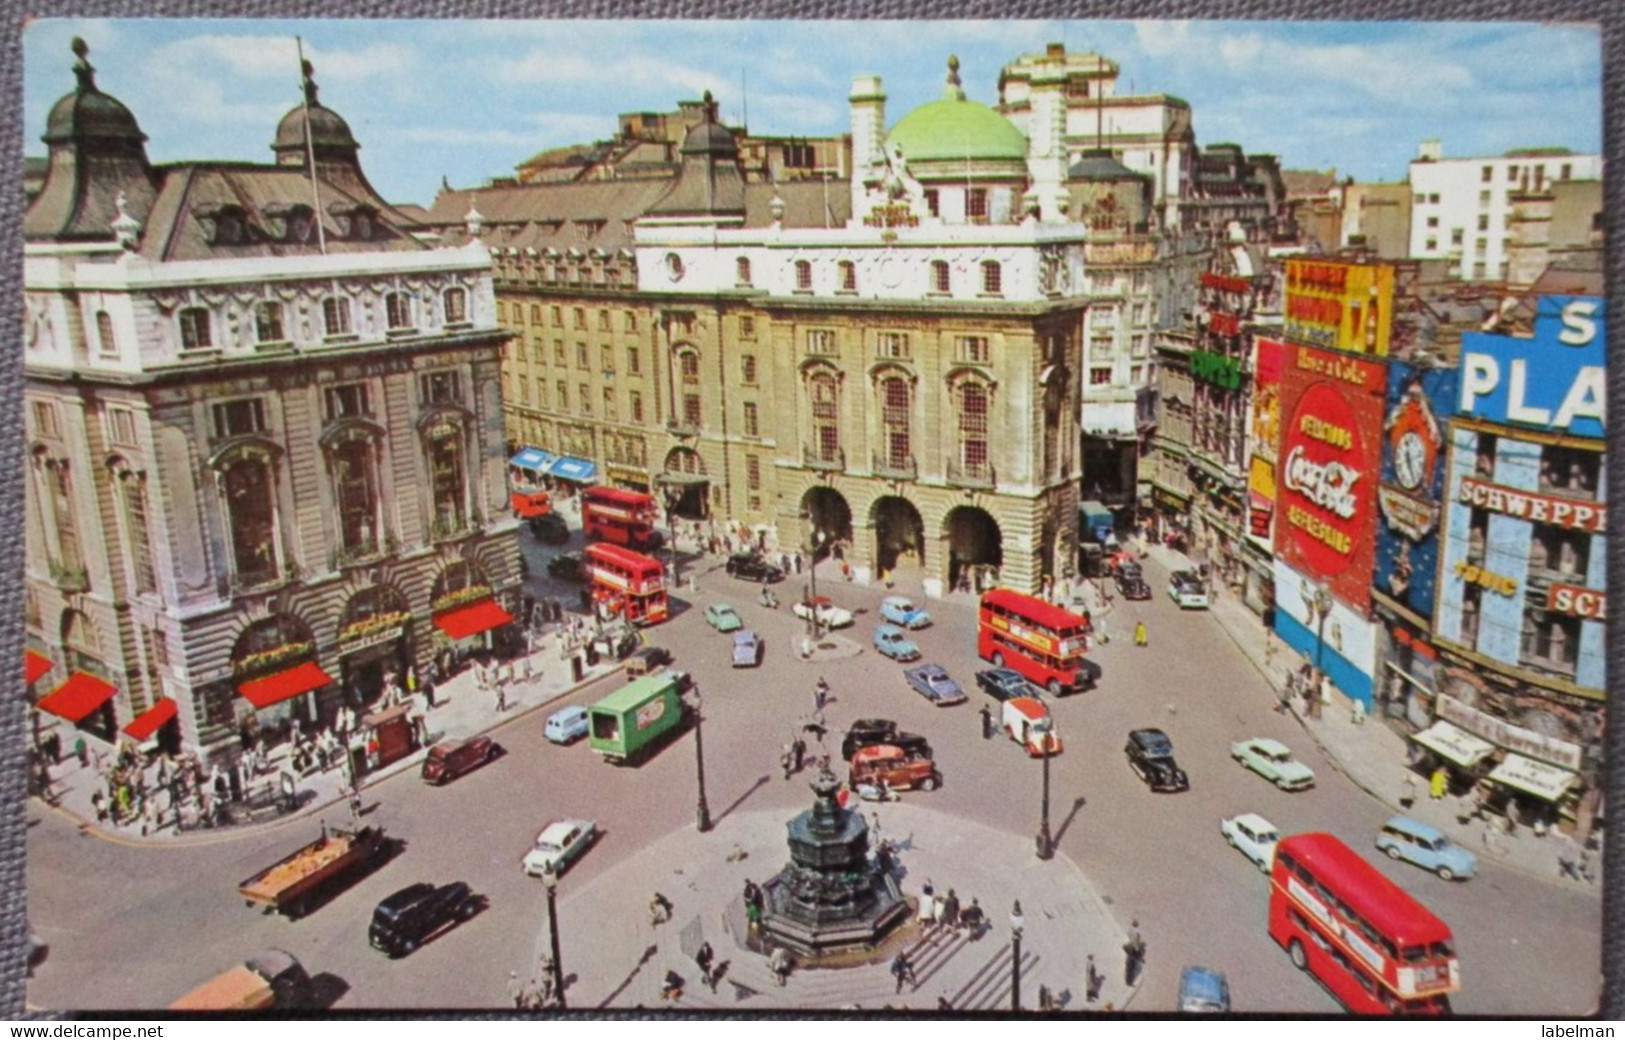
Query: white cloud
[276, 57]
[550, 68]
[462, 136]
[792, 111]
[1240, 51]
[1162, 38]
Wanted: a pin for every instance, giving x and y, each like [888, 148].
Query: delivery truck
[1028, 723]
[291, 885]
[632, 721]
[270, 980]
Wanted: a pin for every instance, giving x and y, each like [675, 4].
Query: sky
[469, 100]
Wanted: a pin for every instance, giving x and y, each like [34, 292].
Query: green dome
[953, 128]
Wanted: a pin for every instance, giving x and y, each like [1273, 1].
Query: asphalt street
[138, 926]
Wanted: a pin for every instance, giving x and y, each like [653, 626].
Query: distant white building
[1462, 209]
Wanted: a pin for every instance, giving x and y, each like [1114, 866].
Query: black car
[1128, 569]
[869, 732]
[404, 920]
[1151, 754]
[567, 567]
[1004, 683]
[1133, 587]
[753, 568]
[550, 528]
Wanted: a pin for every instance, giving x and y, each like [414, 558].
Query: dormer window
[196, 329]
[336, 315]
[456, 302]
[230, 226]
[268, 322]
[803, 276]
[939, 277]
[300, 224]
[398, 311]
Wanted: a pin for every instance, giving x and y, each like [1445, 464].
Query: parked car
[1203, 991]
[747, 649]
[558, 844]
[1151, 755]
[404, 920]
[1273, 761]
[869, 732]
[1253, 836]
[933, 682]
[567, 567]
[1004, 683]
[566, 725]
[1427, 847]
[549, 529]
[829, 615]
[647, 659]
[1186, 589]
[900, 610]
[890, 641]
[450, 759]
[899, 769]
[753, 568]
[1133, 587]
[723, 618]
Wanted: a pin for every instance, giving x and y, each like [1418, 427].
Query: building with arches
[263, 419]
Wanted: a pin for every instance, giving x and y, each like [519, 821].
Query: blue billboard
[1554, 380]
[1411, 483]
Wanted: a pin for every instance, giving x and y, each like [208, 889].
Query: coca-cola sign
[1330, 445]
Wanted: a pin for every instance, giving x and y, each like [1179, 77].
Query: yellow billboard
[1340, 306]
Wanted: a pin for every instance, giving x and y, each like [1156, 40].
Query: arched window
[688, 365]
[894, 422]
[803, 276]
[826, 417]
[196, 330]
[973, 402]
[849, 276]
[939, 276]
[397, 311]
[355, 495]
[456, 301]
[448, 478]
[63, 516]
[992, 278]
[268, 322]
[248, 484]
[106, 342]
[742, 270]
[336, 315]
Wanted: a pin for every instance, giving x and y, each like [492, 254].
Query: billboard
[1412, 483]
[1326, 480]
[1553, 381]
[1264, 438]
[1340, 306]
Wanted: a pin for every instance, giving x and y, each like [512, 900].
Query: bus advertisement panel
[627, 584]
[1043, 642]
[1373, 947]
[623, 517]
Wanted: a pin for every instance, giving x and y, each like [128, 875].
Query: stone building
[263, 424]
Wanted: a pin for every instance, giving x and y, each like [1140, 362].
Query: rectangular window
[45, 420]
[636, 401]
[502, 312]
[135, 510]
[196, 333]
[821, 341]
[1486, 174]
[106, 342]
[747, 327]
[336, 315]
[121, 425]
[1433, 222]
[1512, 173]
[1483, 222]
[1455, 236]
[634, 361]
[603, 321]
[535, 314]
[609, 404]
[563, 392]
[345, 402]
[691, 411]
[747, 369]
[753, 473]
[1567, 171]
[1431, 245]
[1433, 197]
[558, 352]
[440, 387]
[239, 418]
[585, 398]
[541, 392]
[973, 349]
[606, 355]
[976, 204]
[1483, 200]
[1100, 375]
[891, 345]
[581, 355]
[630, 322]
[556, 313]
[752, 421]
[578, 317]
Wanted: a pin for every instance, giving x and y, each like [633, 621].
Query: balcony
[682, 427]
[815, 457]
[358, 555]
[447, 529]
[70, 577]
[894, 467]
[970, 474]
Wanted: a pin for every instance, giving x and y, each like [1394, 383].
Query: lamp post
[1016, 921]
[814, 540]
[550, 880]
[702, 811]
[669, 492]
[1046, 844]
[1323, 607]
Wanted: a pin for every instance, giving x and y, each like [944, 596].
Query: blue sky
[470, 99]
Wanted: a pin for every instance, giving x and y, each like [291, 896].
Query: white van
[566, 725]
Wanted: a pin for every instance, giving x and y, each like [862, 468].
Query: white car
[560, 842]
[1253, 836]
[829, 615]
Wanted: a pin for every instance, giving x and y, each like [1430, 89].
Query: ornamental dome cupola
[954, 129]
[89, 117]
[709, 189]
[315, 127]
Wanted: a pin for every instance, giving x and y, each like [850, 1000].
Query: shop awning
[35, 665]
[568, 467]
[472, 619]
[82, 694]
[1537, 778]
[1453, 743]
[279, 686]
[533, 458]
[148, 722]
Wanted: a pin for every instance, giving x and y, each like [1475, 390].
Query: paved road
[133, 927]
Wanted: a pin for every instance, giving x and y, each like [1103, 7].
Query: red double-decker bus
[627, 583]
[624, 517]
[1376, 949]
[1040, 640]
[527, 494]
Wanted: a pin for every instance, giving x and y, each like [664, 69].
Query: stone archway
[899, 534]
[829, 517]
[974, 543]
[684, 484]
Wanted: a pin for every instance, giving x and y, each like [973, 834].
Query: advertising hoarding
[1554, 381]
[1340, 306]
[1412, 483]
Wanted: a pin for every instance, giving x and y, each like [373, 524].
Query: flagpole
[310, 147]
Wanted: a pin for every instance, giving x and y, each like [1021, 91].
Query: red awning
[148, 722]
[82, 694]
[36, 665]
[279, 686]
[472, 619]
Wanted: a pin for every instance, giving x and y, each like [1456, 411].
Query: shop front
[1466, 757]
[274, 670]
[468, 620]
[86, 701]
[158, 728]
[374, 643]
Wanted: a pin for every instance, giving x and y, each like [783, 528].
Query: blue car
[900, 610]
[1427, 847]
[891, 641]
[1203, 991]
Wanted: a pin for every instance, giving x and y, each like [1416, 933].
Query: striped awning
[1453, 743]
[1546, 782]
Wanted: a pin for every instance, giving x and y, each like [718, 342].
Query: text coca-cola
[1329, 485]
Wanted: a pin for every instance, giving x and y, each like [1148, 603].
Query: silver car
[747, 648]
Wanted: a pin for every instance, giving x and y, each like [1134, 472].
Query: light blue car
[723, 618]
[1427, 847]
[891, 641]
[900, 610]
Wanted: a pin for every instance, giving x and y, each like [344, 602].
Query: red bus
[627, 583]
[1376, 949]
[526, 496]
[1040, 640]
[624, 517]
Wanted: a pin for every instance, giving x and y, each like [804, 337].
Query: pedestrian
[1134, 954]
[703, 958]
[502, 698]
[901, 969]
[1140, 636]
[779, 963]
[784, 761]
[1092, 980]
[928, 903]
[53, 747]
[1438, 783]
[659, 909]
[972, 917]
[516, 990]
[820, 695]
[949, 914]
[797, 560]
[753, 917]
[798, 752]
[987, 722]
[752, 894]
[99, 804]
[81, 751]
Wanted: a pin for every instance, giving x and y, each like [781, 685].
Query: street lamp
[1322, 606]
[814, 541]
[1016, 921]
[550, 880]
[702, 811]
[672, 496]
[1046, 844]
